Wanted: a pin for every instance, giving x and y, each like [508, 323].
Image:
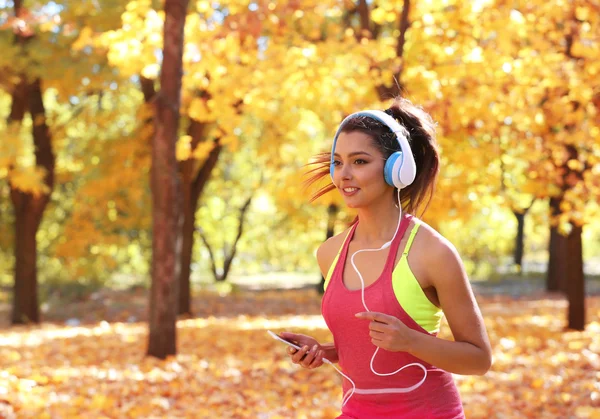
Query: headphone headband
[400, 173]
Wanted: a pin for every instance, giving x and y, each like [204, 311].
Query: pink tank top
[436, 398]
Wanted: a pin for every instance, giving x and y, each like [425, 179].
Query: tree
[228, 253]
[29, 203]
[42, 69]
[166, 190]
[566, 116]
[194, 180]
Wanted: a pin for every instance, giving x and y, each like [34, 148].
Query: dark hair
[421, 130]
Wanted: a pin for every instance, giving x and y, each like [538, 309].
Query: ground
[87, 360]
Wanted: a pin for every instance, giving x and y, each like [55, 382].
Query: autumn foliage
[512, 86]
[228, 367]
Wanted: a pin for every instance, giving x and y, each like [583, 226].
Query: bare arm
[470, 352]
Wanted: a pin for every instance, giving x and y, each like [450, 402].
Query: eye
[336, 162]
[360, 161]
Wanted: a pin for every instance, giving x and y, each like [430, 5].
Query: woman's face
[358, 169]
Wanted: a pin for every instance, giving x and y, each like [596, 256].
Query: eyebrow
[355, 153]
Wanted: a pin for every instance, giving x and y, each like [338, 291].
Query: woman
[384, 307]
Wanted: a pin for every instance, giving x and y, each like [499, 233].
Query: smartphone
[279, 338]
[293, 345]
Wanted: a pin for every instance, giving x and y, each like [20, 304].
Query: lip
[349, 193]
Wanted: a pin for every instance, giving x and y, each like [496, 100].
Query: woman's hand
[388, 332]
[310, 356]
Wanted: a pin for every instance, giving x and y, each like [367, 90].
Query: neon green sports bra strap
[413, 233]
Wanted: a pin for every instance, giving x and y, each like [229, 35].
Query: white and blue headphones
[400, 168]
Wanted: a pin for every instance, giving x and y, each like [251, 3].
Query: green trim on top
[410, 295]
[406, 288]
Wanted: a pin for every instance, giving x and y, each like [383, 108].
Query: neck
[378, 222]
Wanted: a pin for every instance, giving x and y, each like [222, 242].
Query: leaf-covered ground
[228, 367]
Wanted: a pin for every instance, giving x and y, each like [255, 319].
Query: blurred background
[513, 86]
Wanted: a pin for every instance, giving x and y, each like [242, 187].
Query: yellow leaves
[151, 71]
[203, 6]
[227, 366]
[199, 110]
[13, 356]
[538, 383]
[580, 50]
[381, 16]
[582, 13]
[539, 118]
[183, 148]
[84, 39]
[101, 402]
[29, 180]
[575, 165]
[203, 149]
[475, 56]
[516, 16]
[588, 412]
[228, 46]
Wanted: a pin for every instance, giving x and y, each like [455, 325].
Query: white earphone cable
[351, 392]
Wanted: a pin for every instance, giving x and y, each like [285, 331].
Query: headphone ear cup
[392, 168]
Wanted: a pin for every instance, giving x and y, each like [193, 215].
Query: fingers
[378, 327]
[314, 358]
[307, 357]
[288, 335]
[376, 317]
[297, 355]
[377, 335]
[318, 361]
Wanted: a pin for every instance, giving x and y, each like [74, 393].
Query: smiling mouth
[350, 191]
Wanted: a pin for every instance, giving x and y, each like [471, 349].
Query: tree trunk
[566, 252]
[575, 281]
[166, 193]
[19, 105]
[25, 307]
[29, 208]
[389, 91]
[332, 211]
[192, 190]
[184, 305]
[369, 30]
[557, 270]
[520, 239]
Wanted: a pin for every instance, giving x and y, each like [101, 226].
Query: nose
[345, 171]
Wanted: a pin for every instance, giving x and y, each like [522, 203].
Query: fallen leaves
[228, 367]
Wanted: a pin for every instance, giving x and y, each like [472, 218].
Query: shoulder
[433, 240]
[329, 249]
[435, 253]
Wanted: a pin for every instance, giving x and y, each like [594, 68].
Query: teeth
[350, 189]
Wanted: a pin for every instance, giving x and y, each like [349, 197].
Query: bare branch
[213, 265]
[404, 25]
[57, 131]
[148, 88]
[231, 255]
[365, 19]
[383, 91]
